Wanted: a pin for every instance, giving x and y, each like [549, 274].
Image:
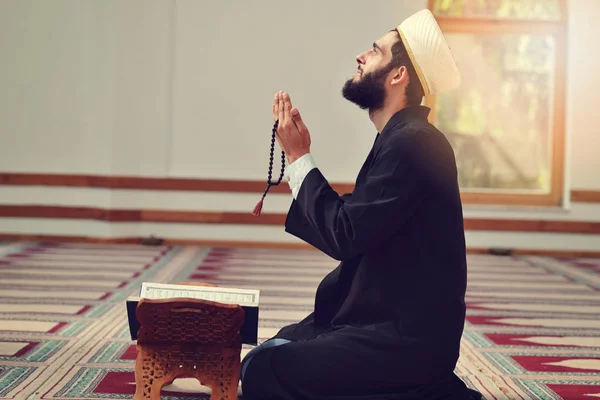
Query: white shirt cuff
[297, 171]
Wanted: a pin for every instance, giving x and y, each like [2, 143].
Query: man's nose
[360, 59]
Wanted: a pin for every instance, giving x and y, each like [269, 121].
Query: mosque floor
[532, 328]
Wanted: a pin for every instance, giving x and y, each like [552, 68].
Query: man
[388, 320]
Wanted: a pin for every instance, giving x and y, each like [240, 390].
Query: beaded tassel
[258, 209]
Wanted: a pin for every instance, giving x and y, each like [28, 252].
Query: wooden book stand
[188, 338]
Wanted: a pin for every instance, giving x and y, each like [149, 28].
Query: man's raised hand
[292, 135]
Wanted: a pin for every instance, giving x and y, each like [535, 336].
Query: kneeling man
[388, 321]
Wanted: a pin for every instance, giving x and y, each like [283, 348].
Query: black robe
[388, 320]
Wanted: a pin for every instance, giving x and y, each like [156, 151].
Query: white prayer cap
[429, 53]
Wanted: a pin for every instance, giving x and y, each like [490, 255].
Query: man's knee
[257, 377]
[258, 381]
[273, 342]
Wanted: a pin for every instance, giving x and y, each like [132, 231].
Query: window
[506, 121]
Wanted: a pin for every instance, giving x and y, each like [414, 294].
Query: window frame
[557, 28]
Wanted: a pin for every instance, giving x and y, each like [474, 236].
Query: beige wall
[184, 89]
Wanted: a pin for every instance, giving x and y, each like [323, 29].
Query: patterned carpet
[533, 328]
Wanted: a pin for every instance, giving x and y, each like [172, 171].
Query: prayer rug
[532, 329]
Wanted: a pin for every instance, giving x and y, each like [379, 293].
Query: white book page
[243, 297]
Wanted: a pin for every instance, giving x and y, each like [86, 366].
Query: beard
[368, 92]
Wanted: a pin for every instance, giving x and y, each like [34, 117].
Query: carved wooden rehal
[188, 338]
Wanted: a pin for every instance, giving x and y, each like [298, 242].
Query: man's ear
[400, 76]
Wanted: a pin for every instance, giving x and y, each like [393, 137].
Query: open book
[247, 298]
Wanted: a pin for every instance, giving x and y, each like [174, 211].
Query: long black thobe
[388, 320]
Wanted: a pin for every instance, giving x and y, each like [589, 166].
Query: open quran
[248, 299]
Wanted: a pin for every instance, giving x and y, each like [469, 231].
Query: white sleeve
[297, 171]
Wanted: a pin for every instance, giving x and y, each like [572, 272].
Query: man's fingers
[287, 106]
[280, 106]
[276, 107]
[287, 103]
[298, 120]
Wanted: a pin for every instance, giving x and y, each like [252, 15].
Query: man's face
[367, 87]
